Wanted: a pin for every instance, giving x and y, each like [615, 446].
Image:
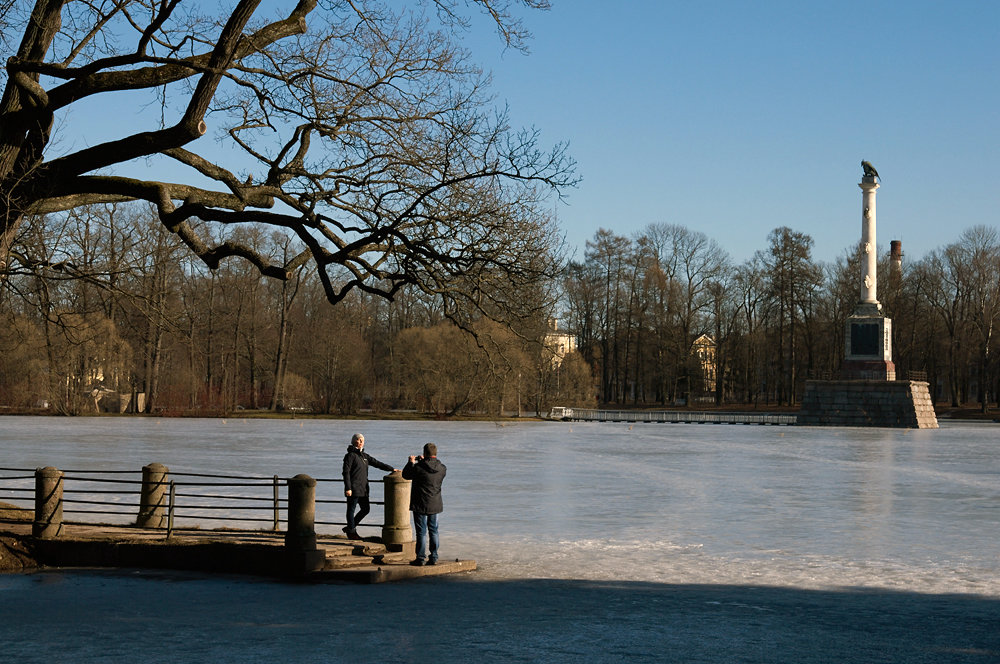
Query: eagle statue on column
[869, 169]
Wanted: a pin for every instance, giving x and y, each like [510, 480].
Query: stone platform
[867, 403]
[259, 553]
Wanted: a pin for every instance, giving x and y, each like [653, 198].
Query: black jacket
[427, 476]
[356, 465]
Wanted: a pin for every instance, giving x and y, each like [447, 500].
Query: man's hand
[347, 493]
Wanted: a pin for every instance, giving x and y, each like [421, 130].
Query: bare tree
[608, 252]
[947, 293]
[286, 297]
[793, 276]
[582, 288]
[362, 131]
[963, 289]
[687, 264]
[336, 359]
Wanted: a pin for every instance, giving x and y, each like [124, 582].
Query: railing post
[396, 532]
[152, 496]
[48, 503]
[170, 512]
[277, 513]
[300, 538]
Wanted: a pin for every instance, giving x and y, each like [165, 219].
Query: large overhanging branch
[189, 127]
[111, 74]
[90, 189]
[369, 142]
[92, 79]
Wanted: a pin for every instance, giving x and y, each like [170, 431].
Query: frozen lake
[764, 517]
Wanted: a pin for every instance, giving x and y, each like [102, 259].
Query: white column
[869, 276]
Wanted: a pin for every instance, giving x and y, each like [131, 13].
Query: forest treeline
[638, 304]
[119, 313]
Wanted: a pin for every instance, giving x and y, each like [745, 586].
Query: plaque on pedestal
[868, 352]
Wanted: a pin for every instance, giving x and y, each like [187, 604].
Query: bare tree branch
[366, 134]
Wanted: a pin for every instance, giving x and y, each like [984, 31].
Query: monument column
[867, 392]
[869, 272]
[868, 340]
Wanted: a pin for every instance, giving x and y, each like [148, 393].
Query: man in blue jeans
[427, 474]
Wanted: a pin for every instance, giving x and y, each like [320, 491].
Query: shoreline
[947, 414]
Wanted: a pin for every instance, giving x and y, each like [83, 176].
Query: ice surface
[663, 503]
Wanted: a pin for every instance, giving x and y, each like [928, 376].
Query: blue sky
[735, 118]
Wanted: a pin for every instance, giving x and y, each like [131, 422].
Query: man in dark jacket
[427, 474]
[356, 464]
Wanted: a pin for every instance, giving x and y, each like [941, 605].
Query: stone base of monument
[871, 370]
[868, 403]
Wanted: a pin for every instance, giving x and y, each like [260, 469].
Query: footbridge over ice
[670, 416]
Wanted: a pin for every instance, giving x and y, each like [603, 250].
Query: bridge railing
[680, 417]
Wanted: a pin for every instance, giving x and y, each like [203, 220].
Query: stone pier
[868, 403]
[31, 539]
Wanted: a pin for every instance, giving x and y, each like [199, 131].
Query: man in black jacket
[356, 463]
[427, 474]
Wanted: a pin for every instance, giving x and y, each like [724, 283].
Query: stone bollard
[48, 503]
[153, 496]
[300, 539]
[301, 534]
[396, 531]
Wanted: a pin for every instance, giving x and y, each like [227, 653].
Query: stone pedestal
[868, 403]
[868, 345]
[396, 532]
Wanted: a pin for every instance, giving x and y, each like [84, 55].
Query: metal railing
[868, 375]
[337, 489]
[108, 497]
[16, 490]
[681, 417]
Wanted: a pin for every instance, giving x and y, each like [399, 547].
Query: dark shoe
[353, 534]
[417, 563]
[432, 562]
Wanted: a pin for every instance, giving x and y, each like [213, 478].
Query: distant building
[558, 344]
[703, 349]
